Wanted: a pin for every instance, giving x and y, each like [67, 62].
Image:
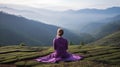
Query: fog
[72, 20]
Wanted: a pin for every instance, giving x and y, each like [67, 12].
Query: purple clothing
[60, 46]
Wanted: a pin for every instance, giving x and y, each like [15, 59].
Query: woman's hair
[60, 32]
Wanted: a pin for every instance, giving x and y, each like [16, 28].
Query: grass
[95, 56]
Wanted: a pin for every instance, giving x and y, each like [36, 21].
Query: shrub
[22, 44]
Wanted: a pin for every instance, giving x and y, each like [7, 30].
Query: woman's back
[60, 46]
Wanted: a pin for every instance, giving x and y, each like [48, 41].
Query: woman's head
[60, 32]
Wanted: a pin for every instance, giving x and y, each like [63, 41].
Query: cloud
[64, 4]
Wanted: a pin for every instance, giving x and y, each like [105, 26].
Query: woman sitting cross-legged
[60, 53]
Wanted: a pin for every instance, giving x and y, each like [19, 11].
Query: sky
[64, 4]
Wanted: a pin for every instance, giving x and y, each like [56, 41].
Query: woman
[60, 53]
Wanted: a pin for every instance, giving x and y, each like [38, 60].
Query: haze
[64, 4]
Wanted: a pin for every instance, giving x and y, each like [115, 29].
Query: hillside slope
[111, 27]
[103, 28]
[94, 56]
[112, 39]
[16, 29]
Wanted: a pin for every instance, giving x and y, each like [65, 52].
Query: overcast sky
[64, 4]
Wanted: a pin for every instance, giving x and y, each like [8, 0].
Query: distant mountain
[111, 10]
[103, 27]
[15, 30]
[112, 39]
[91, 28]
[73, 20]
[108, 29]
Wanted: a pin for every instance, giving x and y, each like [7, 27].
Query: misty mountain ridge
[110, 10]
[15, 30]
[71, 21]
[97, 24]
[85, 24]
[103, 28]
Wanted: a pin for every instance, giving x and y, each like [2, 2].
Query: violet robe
[60, 53]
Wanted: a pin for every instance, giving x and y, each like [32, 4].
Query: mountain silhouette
[17, 29]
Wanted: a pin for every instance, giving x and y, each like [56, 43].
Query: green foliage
[82, 43]
[71, 43]
[22, 44]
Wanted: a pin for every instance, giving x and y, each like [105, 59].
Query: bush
[82, 43]
[71, 43]
[22, 44]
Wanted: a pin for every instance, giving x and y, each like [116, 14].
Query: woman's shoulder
[60, 38]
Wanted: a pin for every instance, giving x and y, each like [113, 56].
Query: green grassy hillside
[95, 56]
[112, 39]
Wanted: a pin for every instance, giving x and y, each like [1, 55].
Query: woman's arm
[54, 44]
[66, 44]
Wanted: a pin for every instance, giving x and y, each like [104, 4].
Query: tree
[71, 43]
[22, 44]
[82, 43]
